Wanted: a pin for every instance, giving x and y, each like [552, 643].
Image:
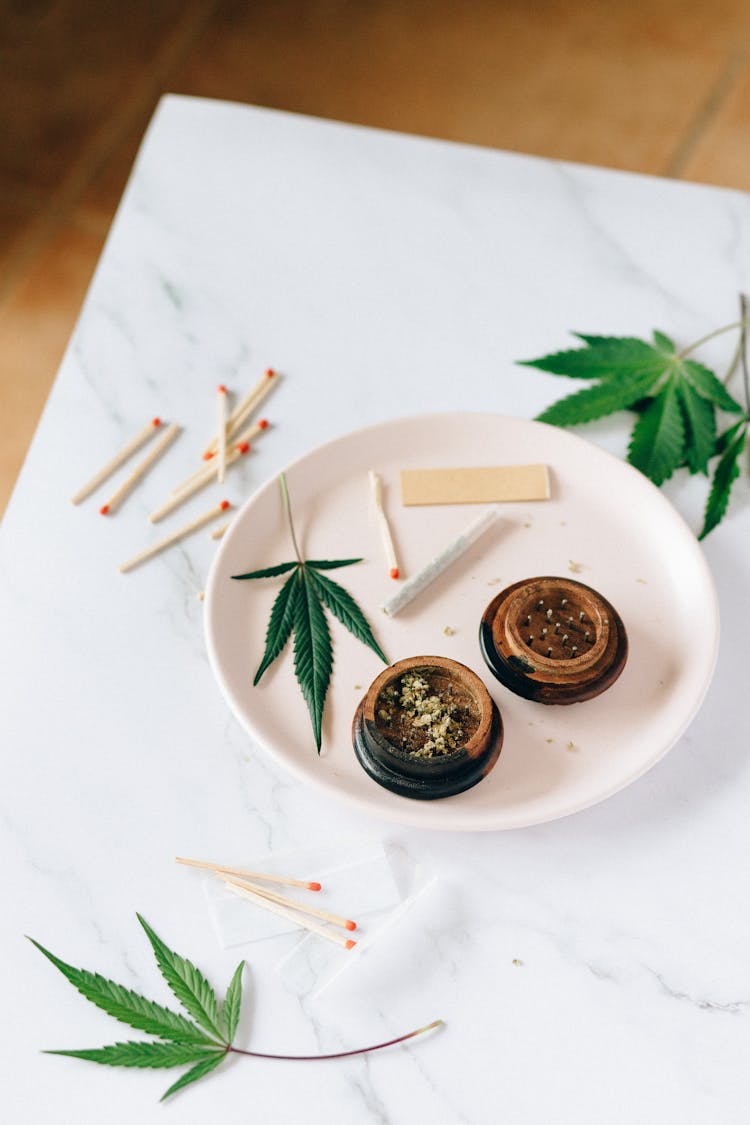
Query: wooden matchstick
[245, 408]
[324, 915]
[220, 531]
[204, 472]
[251, 433]
[246, 435]
[245, 438]
[120, 458]
[140, 470]
[162, 545]
[222, 432]
[283, 912]
[284, 880]
[198, 482]
[265, 386]
[385, 529]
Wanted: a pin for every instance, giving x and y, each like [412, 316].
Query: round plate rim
[409, 815]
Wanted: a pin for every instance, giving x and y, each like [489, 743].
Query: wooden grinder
[442, 775]
[553, 640]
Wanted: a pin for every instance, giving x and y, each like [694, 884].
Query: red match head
[104, 510]
[263, 424]
[224, 505]
[156, 422]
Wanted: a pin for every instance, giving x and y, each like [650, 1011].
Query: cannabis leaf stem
[179, 1041]
[288, 510]
[342, 1054]
[741, 323]
[298, 611]
[743, 352]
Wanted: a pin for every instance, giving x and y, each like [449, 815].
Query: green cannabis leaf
[187, 983]
[676, 400]
[730, 444]
[299, 609]
[726, 474]
[205, 1043]
[657, 443]
[127, 1006]
[179, 1041]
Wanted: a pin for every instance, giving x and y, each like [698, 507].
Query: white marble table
[386, 275]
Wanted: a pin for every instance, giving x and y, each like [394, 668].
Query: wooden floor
[660, 86]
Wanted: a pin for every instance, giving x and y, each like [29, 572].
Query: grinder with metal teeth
[553, 640]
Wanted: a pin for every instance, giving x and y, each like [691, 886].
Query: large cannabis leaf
[178, 1041]
[299, 609]
[182, 1041]
[675, 398]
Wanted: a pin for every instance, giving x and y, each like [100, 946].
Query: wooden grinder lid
[553, 640]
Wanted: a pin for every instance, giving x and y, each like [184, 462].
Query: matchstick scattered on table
[245, 408]
[140, 470]
[244, 439]
[197, 483]
[284, 880]
[324, 915]
[207, 473]
[237, 888]
[181, 533]
[119, 458]
[246, 435]
[240, 416]
[220, 531]
[251, 433]
[385, 529]
[440, 563]
[222, 431]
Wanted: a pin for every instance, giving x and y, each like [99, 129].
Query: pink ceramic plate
[605, 525]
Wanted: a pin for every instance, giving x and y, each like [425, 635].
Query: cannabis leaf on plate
[203, 1041]
[676, 400]
[299, 609]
